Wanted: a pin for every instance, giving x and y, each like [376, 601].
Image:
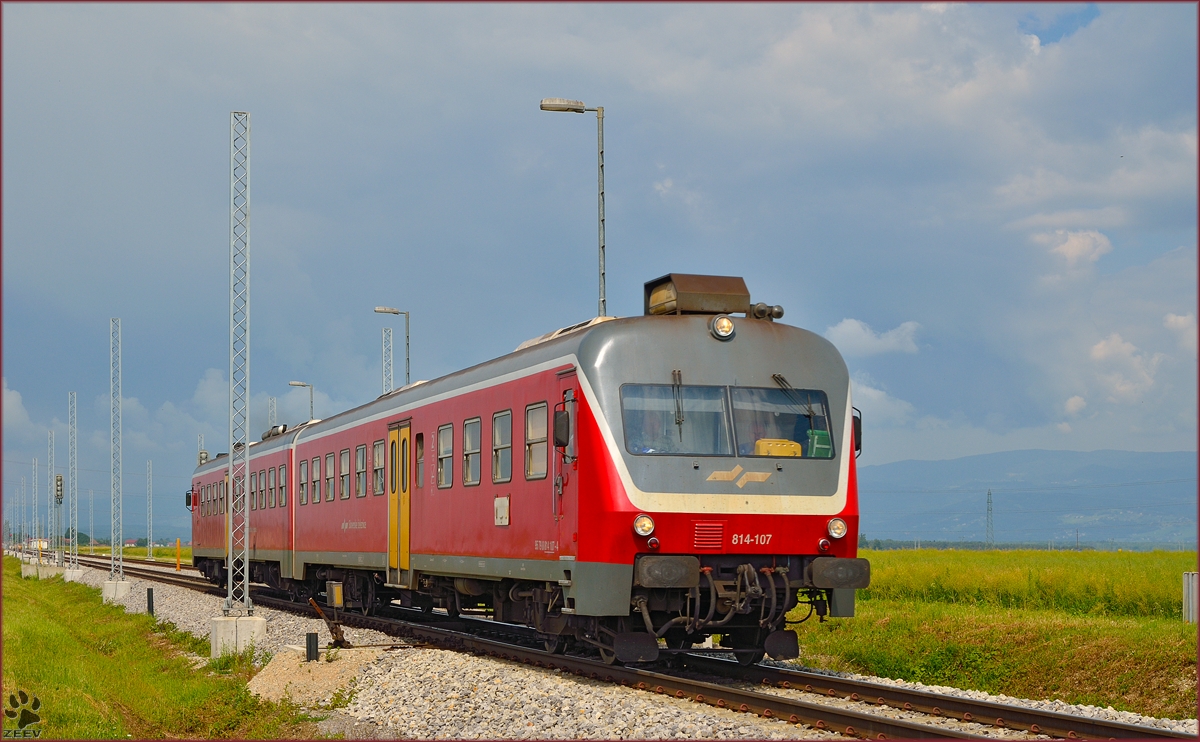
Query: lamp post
[311, 416]
[577, 106]
[387, 360]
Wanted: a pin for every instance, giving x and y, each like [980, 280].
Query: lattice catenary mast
[150, 511]
[36, 528]
[116, 569]
[271, 414]
[73, 557]
[387, 360]
[52, 524]
[238, 594]
[991, 540]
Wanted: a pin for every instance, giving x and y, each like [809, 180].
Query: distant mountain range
[1037, 497]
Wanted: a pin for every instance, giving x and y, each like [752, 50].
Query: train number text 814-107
[757, 539]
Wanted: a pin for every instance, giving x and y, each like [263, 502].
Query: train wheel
[555, 644]
[746, 658]
[367, 595]
[607, 656]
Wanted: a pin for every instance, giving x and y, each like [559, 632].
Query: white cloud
[1063, 427]
[1184, 328]
[880, 408]
[1075, 405]
[1076, 247]
[1128, 373]
[1109, 216]
[17, 425]
[855, 338]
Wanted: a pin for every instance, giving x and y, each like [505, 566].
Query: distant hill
[1037, 496]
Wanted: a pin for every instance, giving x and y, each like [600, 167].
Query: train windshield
[782, 422]
[675, 420]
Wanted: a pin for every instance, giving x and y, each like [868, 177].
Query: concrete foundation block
[114, 590]
[46, 571]
[73, 575]
[235, 633]
[29, 570]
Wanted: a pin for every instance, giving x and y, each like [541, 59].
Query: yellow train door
[398, 496]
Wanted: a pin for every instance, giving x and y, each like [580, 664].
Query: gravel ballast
[425, 693]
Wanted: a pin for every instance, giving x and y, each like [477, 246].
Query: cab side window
[535, 441]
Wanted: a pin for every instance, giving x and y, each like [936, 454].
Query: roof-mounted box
[683, 293]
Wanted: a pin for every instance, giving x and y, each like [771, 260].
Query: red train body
[610, 484]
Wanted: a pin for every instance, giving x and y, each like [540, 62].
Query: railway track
[779, 693]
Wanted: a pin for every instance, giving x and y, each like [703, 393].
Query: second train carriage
[669, 476]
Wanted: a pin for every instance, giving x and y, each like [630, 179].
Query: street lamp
[387, 359]
[311, 416]
[577, 106]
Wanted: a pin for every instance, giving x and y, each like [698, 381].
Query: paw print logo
[23, 708]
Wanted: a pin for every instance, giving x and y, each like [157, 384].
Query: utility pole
[150, 511]
[991, 537]
[238, 535]
[1076, 539]
[91, 525]
[23, 533]
[270, 412]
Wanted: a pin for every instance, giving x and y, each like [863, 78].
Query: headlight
[643, 525]
[721, 327]
[837, 528]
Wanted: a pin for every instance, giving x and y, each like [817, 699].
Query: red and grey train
[612, 484]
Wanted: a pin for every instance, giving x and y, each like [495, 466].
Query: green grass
[1091, 628]
[161, 553]
[1095, 583]
[102, 673]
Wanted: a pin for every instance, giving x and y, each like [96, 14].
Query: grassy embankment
[1100, 628]
[102, 673]
[161, 553]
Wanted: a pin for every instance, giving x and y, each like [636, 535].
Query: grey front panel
[600, 588]
[841, 603]
[646, 351]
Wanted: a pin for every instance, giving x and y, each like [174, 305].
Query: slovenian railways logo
[22, 710]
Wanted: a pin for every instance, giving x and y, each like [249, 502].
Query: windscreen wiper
[677, 393]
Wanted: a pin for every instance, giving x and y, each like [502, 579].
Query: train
[626, 487]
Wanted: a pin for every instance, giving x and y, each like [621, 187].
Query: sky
[989, 209]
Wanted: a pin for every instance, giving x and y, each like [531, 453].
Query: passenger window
[535, 441]
[377, 462]
[360, 471]
[329, 477]
[471, 447]
[344, 475]
[302, 485]
[262, 489]
[445, 462]
[271, 487]
[420, 459]
[316, 480]
[283, 486]
[404, 467]
[502, 446]
[254, 490]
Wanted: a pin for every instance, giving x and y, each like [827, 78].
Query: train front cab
[721, 482]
